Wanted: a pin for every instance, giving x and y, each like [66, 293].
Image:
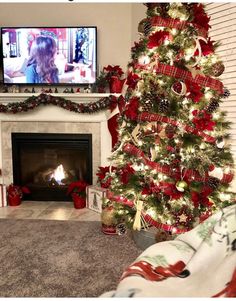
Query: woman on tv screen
[41, 66]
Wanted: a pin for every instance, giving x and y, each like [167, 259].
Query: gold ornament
[217, 69]
[181, 186]
[183, 218]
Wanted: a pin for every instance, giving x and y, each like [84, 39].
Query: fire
[59, 174]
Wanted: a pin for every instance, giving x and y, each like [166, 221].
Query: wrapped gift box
[94, 196]
[3, 195]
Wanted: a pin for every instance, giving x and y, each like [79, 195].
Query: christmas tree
[172, 165]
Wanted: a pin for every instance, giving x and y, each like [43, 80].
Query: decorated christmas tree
[172, 166]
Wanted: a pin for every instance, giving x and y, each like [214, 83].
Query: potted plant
[15, 194]
[77, 190]
[114, 76]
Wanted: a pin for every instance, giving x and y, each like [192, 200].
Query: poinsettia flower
[77, 186]
[107, 183]
[206, 48]
[132, 80]
[200, 199]
[113, 71]
[170, 190]
[132, 108]
[202, 120]
[126, 172]
[200, 18]
[194, 91]
[102, 172]
[158, 39]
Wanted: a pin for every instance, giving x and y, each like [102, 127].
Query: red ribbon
[145, 116]
[205, 81]
[124, 201]
[165, 169]
[176, 23]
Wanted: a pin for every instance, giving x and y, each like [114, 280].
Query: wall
[113, 21]
[223, 27]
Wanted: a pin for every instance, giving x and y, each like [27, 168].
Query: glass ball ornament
[144, 59]
[181, 186]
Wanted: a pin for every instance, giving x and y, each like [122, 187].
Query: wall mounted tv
[49, 55]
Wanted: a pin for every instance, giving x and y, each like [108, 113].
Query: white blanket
[199, 263]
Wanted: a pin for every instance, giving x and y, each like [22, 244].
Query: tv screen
[49, 55]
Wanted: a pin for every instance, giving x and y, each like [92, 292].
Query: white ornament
[220, 143]
[144, 60]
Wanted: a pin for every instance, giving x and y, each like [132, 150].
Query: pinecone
[213, 106]
[213, 182]
[148, 100]
[226, 93]
[147, 28]
[164, 106]
[121, 229]
[147, 106]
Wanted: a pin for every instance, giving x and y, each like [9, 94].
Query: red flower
[132, 80]
[200, 18]
[194, 91]
[102, 172]
[170, 189]
[113, 71]
[200, 199]
[78, 186]
[206, 48]
[202, 120]
[157, 39]
[126, 172]
[107, 183]
[132, 108]
[14, 190]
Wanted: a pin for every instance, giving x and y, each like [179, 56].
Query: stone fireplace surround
[53, 119]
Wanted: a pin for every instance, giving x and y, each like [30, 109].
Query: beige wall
[113, 20]
[138, 13]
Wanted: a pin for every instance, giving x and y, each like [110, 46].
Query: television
[49, 55]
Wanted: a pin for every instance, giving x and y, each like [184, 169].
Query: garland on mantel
[46, 99]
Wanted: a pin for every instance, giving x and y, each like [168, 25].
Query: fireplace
[47, 163]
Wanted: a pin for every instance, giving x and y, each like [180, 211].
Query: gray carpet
[40, 258]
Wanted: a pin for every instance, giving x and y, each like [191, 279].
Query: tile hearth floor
[48, 211]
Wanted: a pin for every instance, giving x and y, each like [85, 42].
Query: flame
[59, 174]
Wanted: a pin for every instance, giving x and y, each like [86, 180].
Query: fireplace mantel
[54, 119]
[77, 97]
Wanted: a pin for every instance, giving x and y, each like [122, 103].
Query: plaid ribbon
[205, 81]
[165, 227]
[176, 23]
[124, 201]
[165, 169]
[145, 116]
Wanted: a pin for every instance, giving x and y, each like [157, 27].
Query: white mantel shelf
[77, 97]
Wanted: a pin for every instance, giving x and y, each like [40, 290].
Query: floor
[48, 211]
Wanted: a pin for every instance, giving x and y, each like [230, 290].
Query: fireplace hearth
[48, 163]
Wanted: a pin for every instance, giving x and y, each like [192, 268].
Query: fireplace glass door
[48, 163]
